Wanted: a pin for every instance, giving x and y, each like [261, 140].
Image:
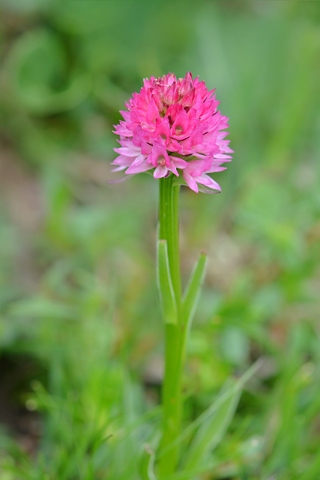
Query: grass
[81, 338]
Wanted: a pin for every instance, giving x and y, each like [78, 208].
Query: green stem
[169, 229]
[171, 391]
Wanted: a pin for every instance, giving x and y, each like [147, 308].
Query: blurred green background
[81, 338]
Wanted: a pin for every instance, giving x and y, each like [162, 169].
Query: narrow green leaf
[223, 397]
[146, 464]
[211, 432]
[192, 291]
[167, 298]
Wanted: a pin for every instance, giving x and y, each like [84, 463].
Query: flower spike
[173, 126]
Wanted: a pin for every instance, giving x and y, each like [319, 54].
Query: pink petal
[179, 163]
[122, 160]
[160, 171]
[118, 169]
[190, 181]
[142, 167]
[208, 182]
[152, 112]
[127, 151]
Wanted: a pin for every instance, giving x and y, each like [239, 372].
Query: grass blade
[146, 469]
[212, 431]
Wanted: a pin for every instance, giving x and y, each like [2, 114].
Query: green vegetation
[81, 335]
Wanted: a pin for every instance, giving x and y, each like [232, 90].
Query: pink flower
[173, 126]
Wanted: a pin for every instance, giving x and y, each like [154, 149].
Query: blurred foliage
[81, 338]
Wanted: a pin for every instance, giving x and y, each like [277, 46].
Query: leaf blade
[191, 294]
[167, 297]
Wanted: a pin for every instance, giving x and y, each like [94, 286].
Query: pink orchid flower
[173, 126]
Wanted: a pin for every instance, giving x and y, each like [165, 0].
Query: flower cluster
[173, 126]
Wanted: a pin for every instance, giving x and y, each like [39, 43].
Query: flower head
[173, 125]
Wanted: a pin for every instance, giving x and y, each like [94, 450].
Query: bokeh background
[81, 337]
